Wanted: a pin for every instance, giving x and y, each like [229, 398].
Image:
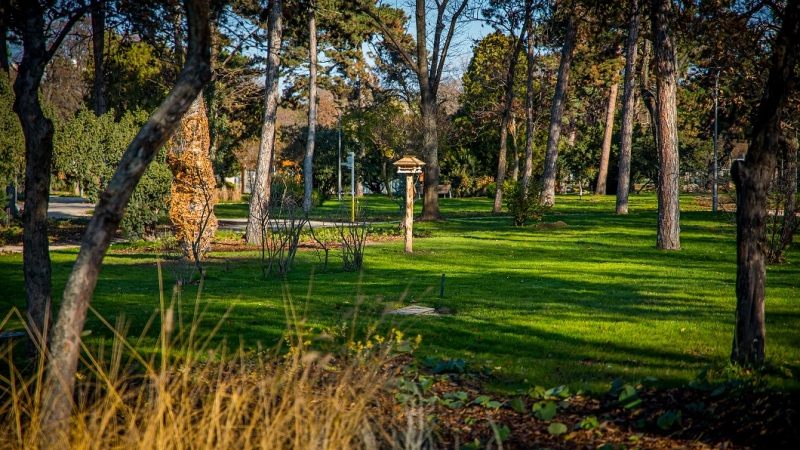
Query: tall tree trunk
[502, 165]
[668, 187]
[513, 132]
[628, 109]
[98, 44]
[752, 177]
[790, 187]
[645, 83]
[527, 171]
[429, 109]
[61, 367]
[308, 176]
[605, 153]
[260, 191]
[38, 133]
[556, 113]
[506, 120]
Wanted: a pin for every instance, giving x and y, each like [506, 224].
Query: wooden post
[409, 219]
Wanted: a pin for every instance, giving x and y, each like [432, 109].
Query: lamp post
[409, 166]
[351, 158]
[339, 189]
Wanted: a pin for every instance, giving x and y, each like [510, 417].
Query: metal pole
[339, 161]
[352, 187]
[716, 140]
[409, 219]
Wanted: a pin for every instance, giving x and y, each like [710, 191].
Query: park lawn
[548, 305]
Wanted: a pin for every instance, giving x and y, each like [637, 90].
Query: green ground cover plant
[582, 296]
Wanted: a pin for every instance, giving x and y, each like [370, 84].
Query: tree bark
[260, 191]
[790, 187]
[505, 120]
[61, 367]
[668, 187]
[429, 109]
[752, 177]
[605, 153]
[628, 109]
[308, 167]
[556, 113]
[527, 171]
[513, 132]
[98, 44]
[29, 22]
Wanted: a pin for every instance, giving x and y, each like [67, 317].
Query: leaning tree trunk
[308, 166]
[668, 186]
[752, 177]
[63, 363]
[605, 153]
[527, 171]
[260, 191]
[505, 121]
[98, 45]
[556, 113]
[628, 109]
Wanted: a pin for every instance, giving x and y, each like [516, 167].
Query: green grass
[540, 305]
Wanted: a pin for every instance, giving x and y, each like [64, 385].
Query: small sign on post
[409, 166]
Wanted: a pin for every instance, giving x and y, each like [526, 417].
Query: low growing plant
[524, 207]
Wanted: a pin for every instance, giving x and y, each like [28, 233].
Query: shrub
[523, 208]
[148, 205]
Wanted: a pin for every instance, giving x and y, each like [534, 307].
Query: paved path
[240, 225]
[69, 208]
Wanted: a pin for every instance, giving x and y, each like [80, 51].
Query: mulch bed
[745, 416]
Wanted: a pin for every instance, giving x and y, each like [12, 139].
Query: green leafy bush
[523, 208]
[87, 150]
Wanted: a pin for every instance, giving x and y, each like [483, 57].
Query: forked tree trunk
[308, 166]
[605, 153]
[98, 45]
[429, 72]
[429, 109]
[752, 177]
[61, 367]
[38, 133]
[260, 191]
[628, 109]
[556, 114]
[668, 186]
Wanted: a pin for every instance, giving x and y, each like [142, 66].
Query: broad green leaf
[557, 428]
[481, 400]
[518, 405]
[545, 410]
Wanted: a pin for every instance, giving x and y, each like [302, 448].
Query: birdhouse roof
[409, 161]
